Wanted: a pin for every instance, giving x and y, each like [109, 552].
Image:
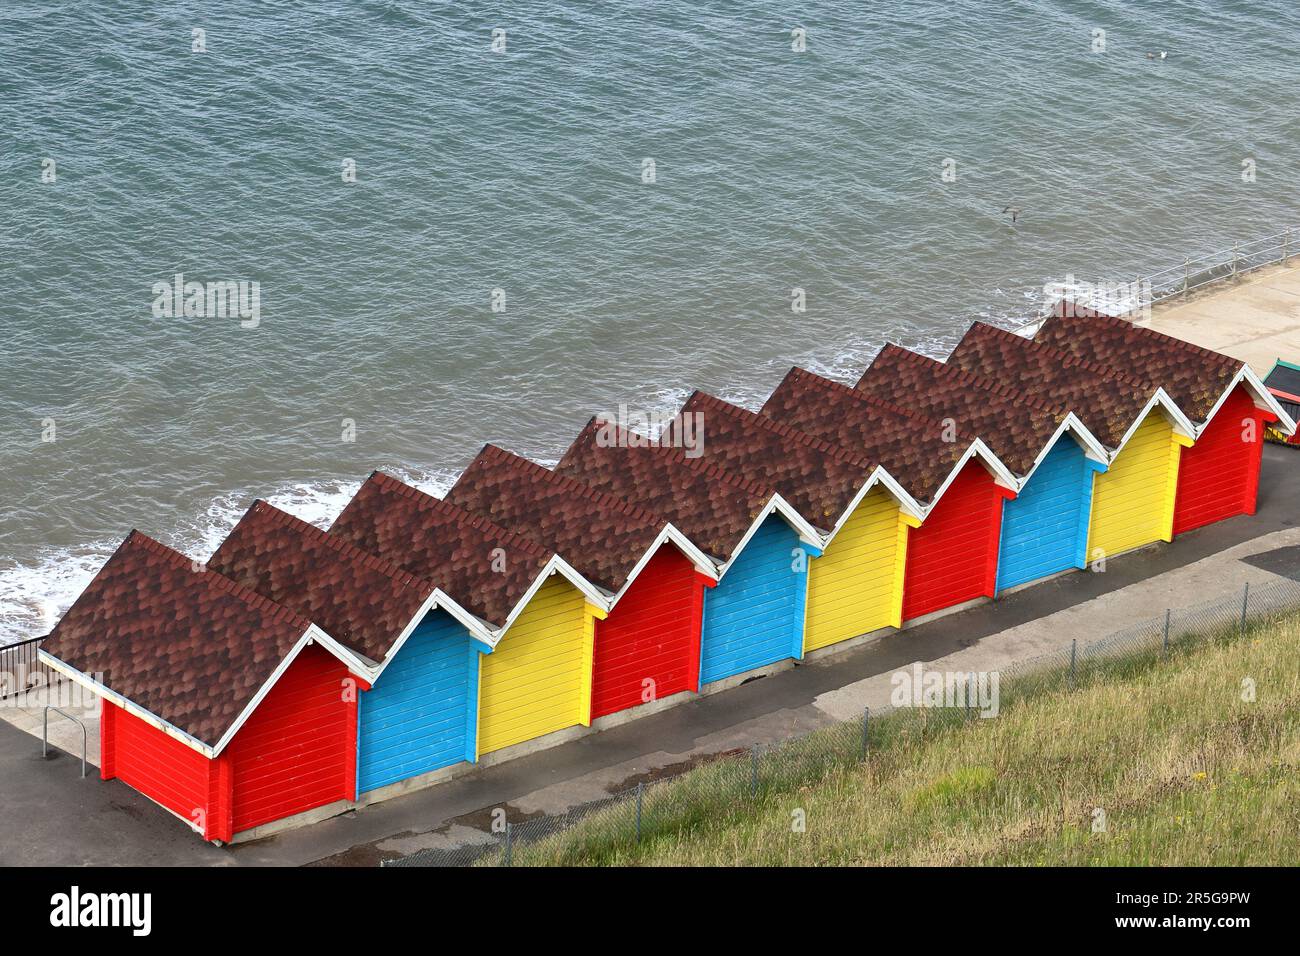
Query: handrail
[1224, 255]
[45, 734]
[20, 660]
[1196, 272]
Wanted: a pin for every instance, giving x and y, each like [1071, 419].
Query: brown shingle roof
[601, 535]
[1194, 377]
[1014, 428]
[818, 478]
[482, 566]
[713, 507]
[1106, 401]
[190, 646]
[358, 599]
[910, 447]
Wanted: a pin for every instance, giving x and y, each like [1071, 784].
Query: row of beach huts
[300, 672]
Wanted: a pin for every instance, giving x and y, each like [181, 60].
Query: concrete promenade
[1255, 319]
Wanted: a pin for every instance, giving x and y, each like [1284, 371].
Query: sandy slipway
[65, 820]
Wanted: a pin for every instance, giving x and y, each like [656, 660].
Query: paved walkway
[56, 818]
[1256, 319]
[27, 712]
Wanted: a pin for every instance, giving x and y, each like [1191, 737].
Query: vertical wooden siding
[952, 556]
[1133, 500]
[537, 680]
[653, 634]
[855, 587]
[1218, 477]
[298, 749]
[416, 718]
[754, 616]
[1045, 529]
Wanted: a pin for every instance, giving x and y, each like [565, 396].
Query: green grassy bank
[1184, 770]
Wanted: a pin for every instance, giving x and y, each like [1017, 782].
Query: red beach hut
[1218, 476]
[220, 705]
[648, 647]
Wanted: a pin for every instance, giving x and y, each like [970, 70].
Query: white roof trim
[1092, 448]
[436, 598]
[479, 629]
[1263, 399]
[1160, 399]
[357, 663]
[125, 703]
[556, 565]
[905, 500]
[312, 635]
[703, 563]
[1001, 473]
[906, 503]
[589, 590]
[669, 535]
[778, 506]
[807, 533]
[1091, 444]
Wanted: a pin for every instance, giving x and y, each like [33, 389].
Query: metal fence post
[1286, 245]
[970, 691]
[640, 793]
[1195, 624]
[1234, 259]
[45, 734]
[1187, 268]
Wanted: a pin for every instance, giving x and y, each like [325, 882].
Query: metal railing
[21, 669]
[1196, 272]
[672, 805]
[45, 734]
[1241, 259]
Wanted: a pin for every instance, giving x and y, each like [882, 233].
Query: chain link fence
[674, 804]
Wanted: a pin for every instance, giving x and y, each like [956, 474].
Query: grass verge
[1135, 758]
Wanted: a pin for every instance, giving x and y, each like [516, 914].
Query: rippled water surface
[522, 171]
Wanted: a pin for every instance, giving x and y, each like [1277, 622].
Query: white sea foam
[34, 596]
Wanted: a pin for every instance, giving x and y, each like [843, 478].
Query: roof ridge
[367, 560]
[182, 561]
[428, 502]
[1173, 340]
[1067, 359]
[565, 483]
[829, 384]
[963, 377]
[278, 611]
[839, 452]
[578, 438]
[712, 470]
